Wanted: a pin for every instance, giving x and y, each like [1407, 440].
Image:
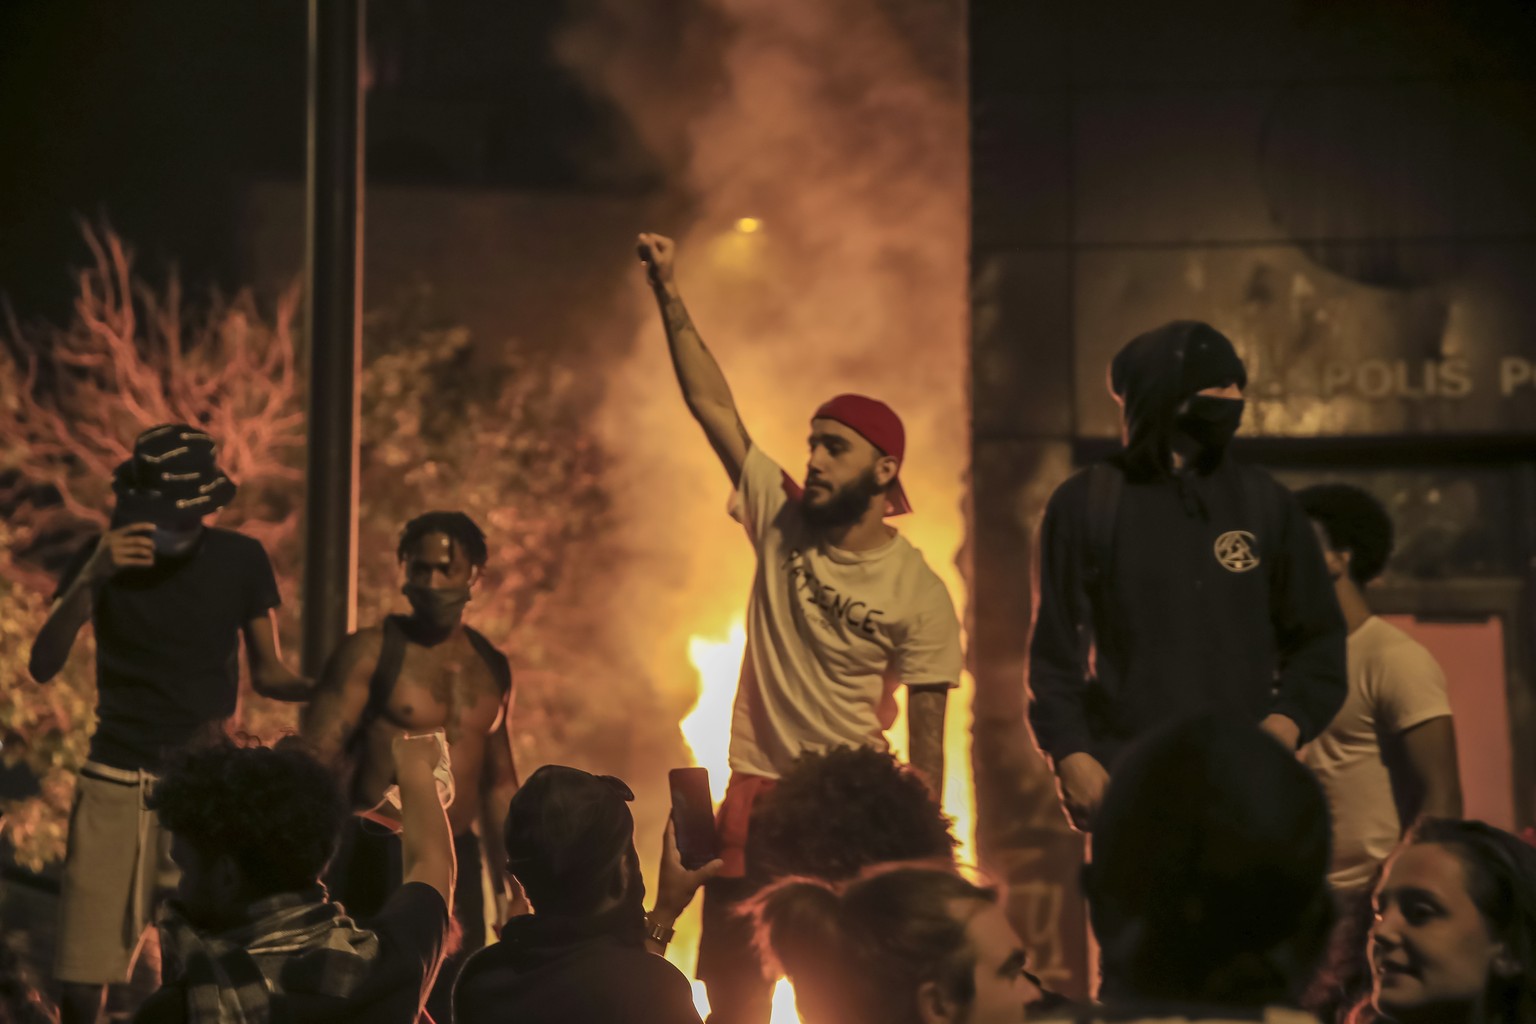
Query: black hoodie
[1183, 622]
[564, 970]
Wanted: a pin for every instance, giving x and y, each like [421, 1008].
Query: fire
[706, 728]
[830, 294]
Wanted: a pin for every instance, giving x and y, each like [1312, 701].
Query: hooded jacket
[1215, 596]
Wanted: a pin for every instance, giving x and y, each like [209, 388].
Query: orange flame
[855, 280]
[706, 728]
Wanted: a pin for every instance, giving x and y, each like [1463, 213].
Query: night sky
[156, 114]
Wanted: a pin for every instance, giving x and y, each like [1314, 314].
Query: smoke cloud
[817, 152]
[838, 127]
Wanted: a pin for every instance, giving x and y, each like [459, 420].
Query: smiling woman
[1455, 935]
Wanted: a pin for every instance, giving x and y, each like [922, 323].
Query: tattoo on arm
[926, 706]
[704, 386]
[698, 371]
[677, 319]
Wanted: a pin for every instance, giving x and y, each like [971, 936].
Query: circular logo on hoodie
[1235, 550]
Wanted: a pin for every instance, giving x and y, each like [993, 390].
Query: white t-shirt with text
[1394, 685]
[830, 633]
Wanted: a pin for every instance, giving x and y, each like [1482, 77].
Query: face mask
[441, 606]
[1210, 422]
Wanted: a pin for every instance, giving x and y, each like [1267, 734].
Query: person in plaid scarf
[252, 935]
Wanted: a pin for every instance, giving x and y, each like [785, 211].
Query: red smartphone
[693, 817]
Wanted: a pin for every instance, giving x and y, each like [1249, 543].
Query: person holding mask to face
[413, 674]
[1454, 940]
[1172, 580]
[169, 599]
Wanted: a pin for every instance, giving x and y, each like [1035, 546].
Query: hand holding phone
[693, 817]
[681, 874]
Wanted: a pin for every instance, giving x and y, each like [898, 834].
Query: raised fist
[657, 252]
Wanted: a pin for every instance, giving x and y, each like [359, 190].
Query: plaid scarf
[297, 942]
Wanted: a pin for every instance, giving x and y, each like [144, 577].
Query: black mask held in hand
[1209, 421]
[441, 606]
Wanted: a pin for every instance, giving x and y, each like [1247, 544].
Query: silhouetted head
[1180, 387]
[833, 814]
[570, 842]
[1353, 529]
[1209, 859]
[247, 822]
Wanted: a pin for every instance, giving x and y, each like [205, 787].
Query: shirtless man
[413, 674]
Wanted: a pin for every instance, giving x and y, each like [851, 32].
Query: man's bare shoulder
[359, 648]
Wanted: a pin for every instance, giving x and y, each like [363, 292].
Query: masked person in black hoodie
[589, 951]
[1174, 580]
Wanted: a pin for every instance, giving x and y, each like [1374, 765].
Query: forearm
[1428, 771]
[663, 914]
[1057, 668]
[494, 803]
[1057, 715]
[1312, 635]
[335, 710]
[325, 727]
[51, 648]
[270, 675]
[426, 839]
[1442, 799]
[703, 383]
[925, 734]
[1313, 683]
[1312, 688]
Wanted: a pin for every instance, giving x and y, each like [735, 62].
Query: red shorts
[733, 818]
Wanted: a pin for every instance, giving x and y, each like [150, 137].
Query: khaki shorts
[117, 867]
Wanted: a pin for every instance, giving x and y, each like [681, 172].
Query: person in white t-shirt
[843, 611]
[1389, 756]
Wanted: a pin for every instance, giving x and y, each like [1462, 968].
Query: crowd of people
[1265, 769]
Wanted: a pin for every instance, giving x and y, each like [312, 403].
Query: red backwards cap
[878, 424]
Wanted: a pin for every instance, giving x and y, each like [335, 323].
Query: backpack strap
[500, 668]
[1105, 485]
[385, 673]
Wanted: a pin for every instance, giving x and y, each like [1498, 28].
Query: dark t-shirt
[413, 932]
[167, 643]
